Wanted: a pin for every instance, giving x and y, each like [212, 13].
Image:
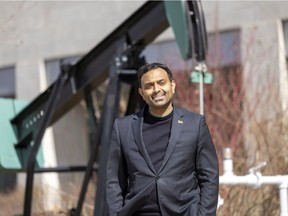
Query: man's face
[156, 89]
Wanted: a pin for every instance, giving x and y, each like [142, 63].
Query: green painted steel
[178, 20]
[11, 158]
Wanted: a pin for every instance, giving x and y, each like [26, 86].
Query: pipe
[254, 179]
[227, 162]
[201, 87]
[283, 199]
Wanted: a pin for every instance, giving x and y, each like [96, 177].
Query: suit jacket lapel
[137, 125]
[176, 128]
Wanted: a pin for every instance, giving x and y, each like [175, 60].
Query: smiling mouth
[158, 97]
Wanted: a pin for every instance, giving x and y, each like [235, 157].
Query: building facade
[35, 36]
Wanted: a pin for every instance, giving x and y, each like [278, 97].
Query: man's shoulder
[187, 113]
[128, 118]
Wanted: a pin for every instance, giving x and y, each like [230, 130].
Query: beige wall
[32, 32]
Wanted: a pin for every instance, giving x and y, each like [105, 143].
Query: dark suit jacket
[187, 182]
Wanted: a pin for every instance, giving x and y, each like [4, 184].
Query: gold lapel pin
[180, 122]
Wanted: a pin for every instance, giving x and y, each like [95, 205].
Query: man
[162, 161]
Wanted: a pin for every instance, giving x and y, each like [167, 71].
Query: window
[53, 67]
[224, 98]
[285, 30]
[223, 49]
[7, 90]
[168, 53]
[7, 82]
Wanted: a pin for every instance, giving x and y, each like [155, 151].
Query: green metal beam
[13, 158]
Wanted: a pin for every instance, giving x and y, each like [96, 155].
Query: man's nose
[156, 88]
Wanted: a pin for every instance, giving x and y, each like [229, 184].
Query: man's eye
[148, 86]
[161, 83]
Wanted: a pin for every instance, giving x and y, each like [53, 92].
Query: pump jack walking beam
[118, 53]
[92, 70]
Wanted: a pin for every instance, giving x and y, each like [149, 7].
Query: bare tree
[234, 113]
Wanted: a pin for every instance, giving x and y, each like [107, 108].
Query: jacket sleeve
[207, 172]
[116, 178]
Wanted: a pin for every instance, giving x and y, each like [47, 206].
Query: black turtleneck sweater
[156, 133]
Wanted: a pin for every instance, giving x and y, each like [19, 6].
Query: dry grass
[12, 202]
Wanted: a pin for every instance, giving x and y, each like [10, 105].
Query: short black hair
[148, 67]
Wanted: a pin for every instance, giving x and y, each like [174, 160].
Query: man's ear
[140, 91]
[173, 84]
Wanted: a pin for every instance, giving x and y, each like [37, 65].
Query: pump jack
[116, 58]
